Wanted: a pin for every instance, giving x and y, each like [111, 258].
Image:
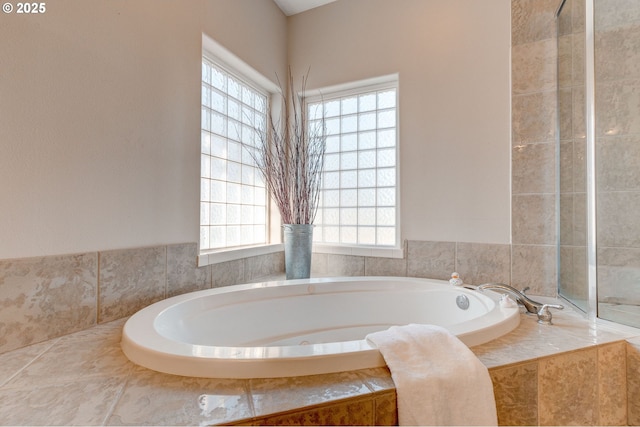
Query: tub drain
[304, 343]
[462, 301]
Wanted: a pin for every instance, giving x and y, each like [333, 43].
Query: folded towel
[439, 381]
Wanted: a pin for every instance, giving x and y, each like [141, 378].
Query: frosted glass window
[349, 105]
[333, 144]
[367, 159]
[349, 142]
[366, 140]
[359, 188]
[332, 162]
[233, 198]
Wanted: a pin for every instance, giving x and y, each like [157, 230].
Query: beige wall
[100, 117]
[100, 111]
[453, 58]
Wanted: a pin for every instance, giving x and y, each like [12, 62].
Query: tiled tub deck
[569, 373]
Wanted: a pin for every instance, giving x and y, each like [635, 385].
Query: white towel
[439, 381]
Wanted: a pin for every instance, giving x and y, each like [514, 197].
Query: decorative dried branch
[290, 155]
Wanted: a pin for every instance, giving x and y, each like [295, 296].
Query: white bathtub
[300, 327]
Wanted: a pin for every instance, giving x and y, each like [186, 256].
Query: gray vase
[298, 239]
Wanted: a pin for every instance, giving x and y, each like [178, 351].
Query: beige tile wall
[617, 126]
[617, 79]
[584, 387]
[47, 297]
[633, 381]
[475, 262]
[533, 72]
[597, 385]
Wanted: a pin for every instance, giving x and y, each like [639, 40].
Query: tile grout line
[32, 361]
[117, 398]
[98, 287]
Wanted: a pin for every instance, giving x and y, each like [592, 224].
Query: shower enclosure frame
[589, 199]
[589, 69]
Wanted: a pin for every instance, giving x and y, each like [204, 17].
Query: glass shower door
[599, 157]
[617, 158]
[572, 266]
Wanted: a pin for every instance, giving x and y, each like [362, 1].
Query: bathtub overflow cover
[462, 301]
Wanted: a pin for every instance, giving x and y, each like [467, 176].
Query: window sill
[215, 257]
[369, 251]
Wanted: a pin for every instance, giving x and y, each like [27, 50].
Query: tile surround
[516, 405]
[530, 174]
[531, 20]
[182, 273]
[46, 297]
[618, 220]
[633, 381]
[109, 285]
[534, 219]
[129, 280]
[376, 266]
[351, 412]
[274, 395]
[617, 163]
[345, 265]
[535, 71]
[436, 260]
[618, 274]
[264, 265]
[618, 110]
[569, 402]
[85, 402]
[617, 79]
[534, 266]
[533, 128]
[227, 273]
[618, 48]
[571, 45]
[184, 400]
[99, 386]
[578, 126]
[534, 66]
[92, 353]
[479, 263]
[12, 362]
[612, 384]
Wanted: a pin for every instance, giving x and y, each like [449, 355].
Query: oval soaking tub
[300, 327]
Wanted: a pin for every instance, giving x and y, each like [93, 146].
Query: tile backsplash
[47, 297]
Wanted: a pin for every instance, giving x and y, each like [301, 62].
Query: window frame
[354, 89]
[234, 66]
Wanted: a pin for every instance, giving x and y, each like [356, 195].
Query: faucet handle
[544, 315]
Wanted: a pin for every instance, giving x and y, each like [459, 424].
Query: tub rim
[151, 349]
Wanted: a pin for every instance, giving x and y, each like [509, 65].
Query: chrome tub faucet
[533, 307]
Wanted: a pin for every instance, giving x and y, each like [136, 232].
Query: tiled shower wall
[617, 144]
[573, 183]
[533, 156]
